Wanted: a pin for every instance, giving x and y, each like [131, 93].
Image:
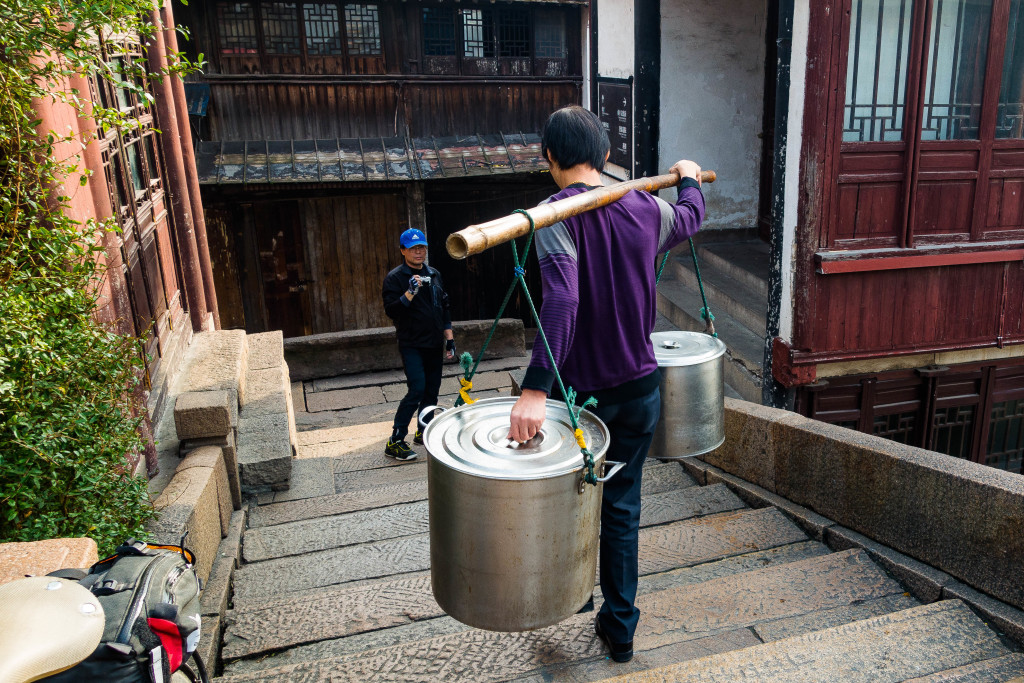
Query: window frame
[910, 174]
[263, 61]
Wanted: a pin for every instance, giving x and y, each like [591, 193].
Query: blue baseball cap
[412, 237]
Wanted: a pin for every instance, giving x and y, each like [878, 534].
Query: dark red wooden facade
[910, 236]
[911, 245]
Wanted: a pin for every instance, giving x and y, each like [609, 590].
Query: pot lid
[471, 439]
[675, 348]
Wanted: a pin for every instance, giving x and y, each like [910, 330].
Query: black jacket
[421, 322]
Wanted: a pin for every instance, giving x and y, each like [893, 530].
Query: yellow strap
[579, 438]
[464, 391]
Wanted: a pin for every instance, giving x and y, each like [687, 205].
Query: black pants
[423, 377]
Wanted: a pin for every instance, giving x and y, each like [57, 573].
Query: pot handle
[616, 466]
[426, 411]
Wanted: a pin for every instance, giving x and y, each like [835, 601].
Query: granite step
[373, 614]
[745, 349]
[664, 547]
[378, 488]
[725, 293]
[410, 519]
[748, 261]
[916, 642]
[996, 670]
[720, 608]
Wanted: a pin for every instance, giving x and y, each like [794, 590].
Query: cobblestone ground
[336, 581]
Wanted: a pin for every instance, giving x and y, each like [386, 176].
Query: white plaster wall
[712, 83]
[615, 38]
[794, 143]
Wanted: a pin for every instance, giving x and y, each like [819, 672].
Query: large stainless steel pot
[692, 394]
[513, 528]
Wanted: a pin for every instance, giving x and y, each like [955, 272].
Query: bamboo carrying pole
[477, 238]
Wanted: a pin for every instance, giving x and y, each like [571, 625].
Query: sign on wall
[615, 109]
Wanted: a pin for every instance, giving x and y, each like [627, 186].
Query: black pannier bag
[150, 599]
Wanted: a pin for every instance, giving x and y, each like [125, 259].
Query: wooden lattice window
[362, 30]
[323, 30]
[281, 28]
[1006, 436]
[439, 38]
[236, 28]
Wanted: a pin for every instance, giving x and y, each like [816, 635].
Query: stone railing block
[190, 504]
[38, 558]
[227, 446]
[216, 360]
[203, 414]
[264, 451]
[266, 350]
[960, 517]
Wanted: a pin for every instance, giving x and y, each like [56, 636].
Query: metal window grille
[439, 32]
[513, 31]
[477, 33]
[1006, 436]
[362, 30]
[876, 70]
[954, 85]
[1010, 110]
[281, 28]
[323, 30]
[549, 35]
[236, 28]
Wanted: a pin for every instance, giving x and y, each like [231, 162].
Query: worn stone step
[725, 293]
[409, 519]
[680, 614]
[338, 615]
[746, 260]
[745, 349]
[996, 670]
[372, 489]
[340, 503]
[662, 548]
[889, 648]
[816, 621]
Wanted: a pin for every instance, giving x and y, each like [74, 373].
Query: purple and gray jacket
[598, 274]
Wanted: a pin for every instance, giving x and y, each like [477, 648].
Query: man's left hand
[528, 415]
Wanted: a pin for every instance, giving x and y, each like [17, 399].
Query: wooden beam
[833, 266]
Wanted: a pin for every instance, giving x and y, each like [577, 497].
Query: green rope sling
[469, 366]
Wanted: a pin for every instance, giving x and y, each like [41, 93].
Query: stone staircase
[336, 587]
[735, 277]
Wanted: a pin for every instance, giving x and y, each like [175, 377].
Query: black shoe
[620, 653]
[588, 606]
[418, 437]
[399, 450]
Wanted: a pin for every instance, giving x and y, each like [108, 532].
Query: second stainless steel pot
[692, 394]
[513, 528]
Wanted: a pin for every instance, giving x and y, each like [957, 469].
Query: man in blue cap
[415, 299]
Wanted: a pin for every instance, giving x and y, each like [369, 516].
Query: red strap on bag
[170, 638]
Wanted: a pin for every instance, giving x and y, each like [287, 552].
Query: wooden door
[282, 268]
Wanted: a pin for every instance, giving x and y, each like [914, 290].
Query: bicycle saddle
[49, 625]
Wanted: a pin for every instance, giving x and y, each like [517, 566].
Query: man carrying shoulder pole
[598, 278]
[415, 299]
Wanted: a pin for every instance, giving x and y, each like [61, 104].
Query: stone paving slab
[591, 671]
[298, 397]
[996, 670]
[324, 615]
[884, 649]
[310, 478]
[365, 479]
[797, 626]
[696, 501]
[343, 399]
[671, 616]
[349, 501]
[325, 533]
[661, 548]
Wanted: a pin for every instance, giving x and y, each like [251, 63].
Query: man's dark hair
[574, 136]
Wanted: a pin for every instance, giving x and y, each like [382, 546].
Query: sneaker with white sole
[399, 450]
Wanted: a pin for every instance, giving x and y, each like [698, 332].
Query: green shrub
[68, 403]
